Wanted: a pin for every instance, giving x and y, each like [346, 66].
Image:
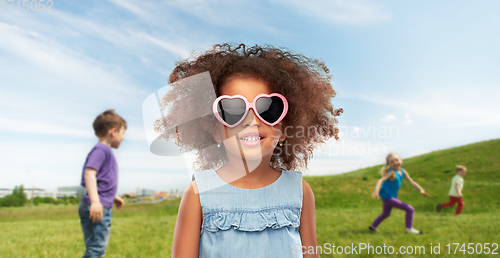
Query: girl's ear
[216, 132]
[283, 130]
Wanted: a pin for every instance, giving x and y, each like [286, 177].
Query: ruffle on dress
[251, 220]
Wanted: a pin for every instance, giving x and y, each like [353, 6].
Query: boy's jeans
[95, 235]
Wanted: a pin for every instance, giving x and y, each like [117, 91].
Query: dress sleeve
[96, 159]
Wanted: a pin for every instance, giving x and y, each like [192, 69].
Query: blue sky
[413, 77]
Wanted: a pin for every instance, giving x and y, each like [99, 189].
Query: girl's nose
[251, 119]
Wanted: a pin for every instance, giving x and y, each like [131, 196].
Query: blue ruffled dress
[261, 222]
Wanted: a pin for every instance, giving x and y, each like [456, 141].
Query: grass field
[344, 210]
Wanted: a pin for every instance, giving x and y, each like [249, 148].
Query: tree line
[18, 199]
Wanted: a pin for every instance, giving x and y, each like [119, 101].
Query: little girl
[272, 107]
[393, 171]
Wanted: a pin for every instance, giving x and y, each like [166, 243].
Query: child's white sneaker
[414, 231]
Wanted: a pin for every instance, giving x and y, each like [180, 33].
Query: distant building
[161, 195]
[4, 192]
[71, 191]
[145, 192]
[37, 192]
[62, 194]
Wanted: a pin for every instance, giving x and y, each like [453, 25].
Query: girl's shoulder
[293, 175]
[207, 180]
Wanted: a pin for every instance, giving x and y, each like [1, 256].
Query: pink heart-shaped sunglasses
[232, 110]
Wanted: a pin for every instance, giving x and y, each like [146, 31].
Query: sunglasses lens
[231, 110]
[270, 109]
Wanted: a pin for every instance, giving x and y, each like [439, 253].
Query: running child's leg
[450, 203]
[86, 223]
[460, 206]
[403, 206]
[386, 212]
[95, 235]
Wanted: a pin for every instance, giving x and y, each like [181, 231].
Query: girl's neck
[248, 174]
[397, 169]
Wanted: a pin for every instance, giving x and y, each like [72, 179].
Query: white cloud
[388, 118]
[136, 40]
[319, 167]
[41, 127]
[446, 105]
[350, 154]
[163, 44]
[60, 95]
[407, 119]
[470, 124]
[242, 15]
[83, 74]
[340, 11]
[132, 7]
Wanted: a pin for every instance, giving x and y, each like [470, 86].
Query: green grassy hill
[345, 209]
[433, 171]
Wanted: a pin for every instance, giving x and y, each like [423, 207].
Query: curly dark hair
[304, 82]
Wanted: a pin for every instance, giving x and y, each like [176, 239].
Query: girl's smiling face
[252, 139]
[395, 162]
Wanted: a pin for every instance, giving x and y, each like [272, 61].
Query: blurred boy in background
[100, 178]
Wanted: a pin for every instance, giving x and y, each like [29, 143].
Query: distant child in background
[100, 178]
[457, 184]
[388, 187]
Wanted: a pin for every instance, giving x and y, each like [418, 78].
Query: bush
[9, 201]
[48, 199]
[37, 200]
[75, 200]
[16, 199]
